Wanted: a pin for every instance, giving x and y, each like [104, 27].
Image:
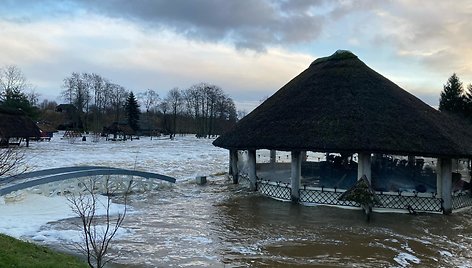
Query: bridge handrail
[84, 173]
[45, 172]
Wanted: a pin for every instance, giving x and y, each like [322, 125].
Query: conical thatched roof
[15, 124]
[339, 104]
[117, 127]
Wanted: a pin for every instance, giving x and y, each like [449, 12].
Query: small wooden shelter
[120, 131]
[15, 124]
[340, 105]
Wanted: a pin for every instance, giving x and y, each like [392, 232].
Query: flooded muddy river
[224, 225]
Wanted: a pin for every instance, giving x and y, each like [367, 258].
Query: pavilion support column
[296, 171]
[251, 158]
[438, 179]
[364, 166]
[273, 156]
[233, 158]
[304, 156]
[230, 168]
[446, 185]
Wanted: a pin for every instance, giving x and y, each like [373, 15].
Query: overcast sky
[250, 48]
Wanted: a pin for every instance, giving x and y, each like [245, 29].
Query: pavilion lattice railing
[324, 196]
[398, 200]
[277, 190]
[461, 199]
[410, 201]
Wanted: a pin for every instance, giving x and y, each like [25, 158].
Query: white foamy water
[182, 158]
[24, 216]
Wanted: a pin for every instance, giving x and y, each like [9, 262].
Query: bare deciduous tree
[174, 99]
[98, 232]
[209, 106]
[118, 99]
[12, 79]
[149, 99]
[11, 161]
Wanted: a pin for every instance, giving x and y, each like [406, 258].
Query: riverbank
[16, 253]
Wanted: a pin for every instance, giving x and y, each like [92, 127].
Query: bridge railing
[50, 176]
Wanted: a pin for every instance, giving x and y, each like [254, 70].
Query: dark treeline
[454, 99]
[203, 109]
[94, 102]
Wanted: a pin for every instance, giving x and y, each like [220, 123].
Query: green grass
[16, 253]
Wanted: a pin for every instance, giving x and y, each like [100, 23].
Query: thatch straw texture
[14, 124]
[339, 104]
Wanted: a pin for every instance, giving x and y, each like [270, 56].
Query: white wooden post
[364, 166]
[446, 185]
[251, 158]
[296, 168]
[234, 165]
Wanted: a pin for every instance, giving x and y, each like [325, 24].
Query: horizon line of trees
[203, 108]
[94, 102]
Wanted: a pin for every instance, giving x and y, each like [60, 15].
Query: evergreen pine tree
[132, 111]
[15, 99]
[452, 98]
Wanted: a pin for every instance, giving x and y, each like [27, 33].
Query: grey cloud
[436, 35]
[248, 24]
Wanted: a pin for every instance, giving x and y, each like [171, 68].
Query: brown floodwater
[224, 225]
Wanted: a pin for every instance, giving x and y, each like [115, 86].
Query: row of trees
[203, 108]
[455, 99]
[98, 100]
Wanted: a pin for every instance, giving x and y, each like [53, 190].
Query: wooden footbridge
[58, 181]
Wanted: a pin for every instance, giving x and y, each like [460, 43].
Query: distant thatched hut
[340, 105]
[119, 130]
[15, 124]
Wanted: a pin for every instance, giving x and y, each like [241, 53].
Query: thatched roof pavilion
[339, 104]
[15, 124]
